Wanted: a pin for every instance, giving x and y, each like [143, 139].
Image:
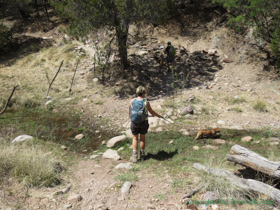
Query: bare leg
[135, 142]
[142, 141]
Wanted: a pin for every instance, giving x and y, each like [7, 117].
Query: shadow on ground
[161, 155]
[191, 70]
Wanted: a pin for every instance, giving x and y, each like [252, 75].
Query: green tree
[87, 15]
[262, 15]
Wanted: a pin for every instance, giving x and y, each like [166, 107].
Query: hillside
[236, 89]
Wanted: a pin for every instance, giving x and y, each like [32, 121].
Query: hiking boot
[142, 155]
[133, 158]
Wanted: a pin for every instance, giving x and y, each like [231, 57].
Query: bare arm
[152, 111]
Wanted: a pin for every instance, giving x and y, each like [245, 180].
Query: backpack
[138, 110]
[171, 51]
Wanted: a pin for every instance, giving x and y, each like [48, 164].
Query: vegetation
[261, 15]
[86, 16]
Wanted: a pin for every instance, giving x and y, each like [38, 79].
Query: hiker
[138, 113]
[170, 51]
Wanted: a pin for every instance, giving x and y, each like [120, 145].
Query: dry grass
[28, 163]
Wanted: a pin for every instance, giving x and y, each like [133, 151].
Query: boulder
[22, 138]
[187, 110]
[111, 154]
[116, 140]
[247, 139]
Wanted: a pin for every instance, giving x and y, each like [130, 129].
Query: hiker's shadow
[161, 155]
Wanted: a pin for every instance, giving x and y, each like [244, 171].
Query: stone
[220, 122]
[124, 166]
[116, 140]
[210, 195]
[95, 80]
[63, 147]
[22, 138]
[171, 142]
[195, 147]
[219, 141]
[48, 102]
[67, 189]
[191, 98]
[74, 198]
[93, 157]
[79, 136]
[153, 121]
[274, 143]
[159, 129]
[111, 154]
[128, 133]
[126, 187]
[187, 110]
[247, 139]
[210, 147]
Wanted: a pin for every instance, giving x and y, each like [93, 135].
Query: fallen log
[248, 158]
[191, 193]
[244, 184]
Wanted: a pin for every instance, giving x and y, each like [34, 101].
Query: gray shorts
[141, 128]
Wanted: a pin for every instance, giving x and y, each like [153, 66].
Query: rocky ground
[221, 88]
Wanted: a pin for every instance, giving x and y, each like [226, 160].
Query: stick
[191, 193]
[8, 100]
[168, 120]
[73, 77]
[54, 78]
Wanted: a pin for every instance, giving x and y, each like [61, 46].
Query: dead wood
[244, 184]
[193, 192]
[5, 107]
[248, 158]
[73, 77]
[54, 78]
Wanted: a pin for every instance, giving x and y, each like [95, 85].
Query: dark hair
[169, 43]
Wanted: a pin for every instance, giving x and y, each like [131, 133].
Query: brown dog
[207, 133]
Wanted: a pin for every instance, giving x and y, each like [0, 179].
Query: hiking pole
[168, 120]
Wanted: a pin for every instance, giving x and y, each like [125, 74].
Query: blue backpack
[138, 110]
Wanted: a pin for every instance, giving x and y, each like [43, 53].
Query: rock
[191, 98]
[67, 206]
[79, 136]
[247, 139]
[227, 61]
[184, 132]
[171, 142]
[111, 154]
[126, 187]
[195, 147]
[74, 198]
[48, 102]
[128, 133]
[95, 80]
[187, 110]
[159, 129]
[116, 140]
[22, 138]
[210, 147]
[93, 157]
[63, 147]
[220, 122]
[210, 195]
[272, 139]
[219, 141]
[153, 121]
[124, 166]
[67, 189]
[274, 143]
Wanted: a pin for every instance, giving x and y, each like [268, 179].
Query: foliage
[5, 35]
[87, 15]
[262, 15]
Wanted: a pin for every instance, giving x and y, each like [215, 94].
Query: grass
[28, 163]
[260, 106]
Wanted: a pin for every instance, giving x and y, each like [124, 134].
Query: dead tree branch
[4, 109]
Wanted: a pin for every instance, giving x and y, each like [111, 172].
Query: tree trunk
[122, 34]
[245, 184]
[248, 158]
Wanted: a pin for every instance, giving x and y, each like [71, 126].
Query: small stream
[54, 127]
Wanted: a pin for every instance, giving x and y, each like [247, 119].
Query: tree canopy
[88, 15]
[262, 15]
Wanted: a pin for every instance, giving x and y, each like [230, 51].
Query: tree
[87, 15]
[262, 15]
